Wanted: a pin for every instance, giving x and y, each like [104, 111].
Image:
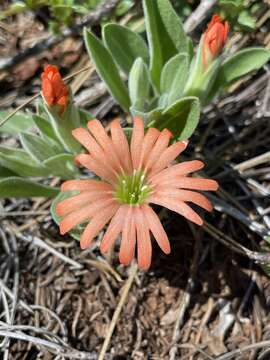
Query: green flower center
[132, 189]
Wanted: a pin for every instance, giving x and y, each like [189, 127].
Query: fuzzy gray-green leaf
[19, 122]
[237, 65]
[18, 161]
[174, 76]
[62, 165]
[181, 118]
[107, 69]
[173, 25]
[18, 187]
[63, 130]
[139, 85]
[161, 46]
[243, 62]
[125, 45]
[38, 148]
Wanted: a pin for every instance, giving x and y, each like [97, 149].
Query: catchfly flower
[54, 90]
[133, 176]
[214, 39]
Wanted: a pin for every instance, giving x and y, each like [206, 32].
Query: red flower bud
[214, 39]
[54, 89]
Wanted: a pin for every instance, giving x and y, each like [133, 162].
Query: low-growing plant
[162, 84]
[164, 80]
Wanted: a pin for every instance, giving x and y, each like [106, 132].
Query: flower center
[132, 189]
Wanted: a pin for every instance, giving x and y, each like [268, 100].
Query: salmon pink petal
[136, 141]
[178, 206]
[168, 156]
[185, 195]
[95, 150]
[85, 138]
[128, 242]
[114, 229]
[76, 202]
[160, 145]
[105, 142]
[121, 145]
[97, 167]
[148, 142]
[181, 169]
[77, 217]
[86, 185]
[197, 184]
[144, 246]
[156, 228]
[96, 224]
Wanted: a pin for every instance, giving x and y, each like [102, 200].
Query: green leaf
[36, 147]
[47, 133]
[231, 7]
[44, 127]
[202, 86]
[161, 46]
[41, 111]
[196, 70]
[139, 85]
[85, 116]
[71, 114]
[62, 165]
[245, 19]
[243, 62]
[63, 129]
[149, 117]
[17, 123]
[125, 45]
[174, 76]
[77, 231]
[18, 161]
[123, 7]
[173, 25]
[4, 172]
[80, 9]
[107, 69]
[17, 187]
[237, 65]
[200, 80]
[181, 118]
[190, 50]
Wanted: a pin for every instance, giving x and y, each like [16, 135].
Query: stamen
[132, 189]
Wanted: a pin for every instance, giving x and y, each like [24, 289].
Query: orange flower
[54, 89]
[214, 40]
[133, 176]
